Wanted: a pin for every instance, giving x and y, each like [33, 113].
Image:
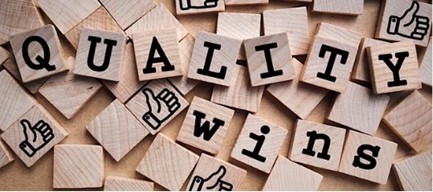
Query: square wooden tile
[394, 67]
[186, 7]
[239, 95]
[212, 174]
[294, 22]
[300, 98]
[405, 20]
[360, 70]
[411, 120]
[78, 166]
[14, 101]
[37, 53]
[414, 173]
[117, 130]
[156, 104]
[269, 59]
[329, 64]
[338, 33]
[289, 176]
[113, 183]
[213, 58]
[426, 66]
[317, 144]
[346, 7]
[367, 157]
[157, 54]
[359, 109]
[205, 125]
[167, 163]
[5, 155]
[33, 135]
[258, 143]
[126, 14]
[245, 2]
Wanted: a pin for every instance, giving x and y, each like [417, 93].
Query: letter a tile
[205, 125]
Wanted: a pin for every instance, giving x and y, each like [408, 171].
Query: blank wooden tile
[245, 2]
[68, 93]
[76, 11]
[126, 13]
[338, 33]
[17, 16]
[117, 130]
[300, 98]
[98, 20]
[5, 155]
[269, 59]
[258, 143]
[33, 135]
[4, 55]
[167, 163]
[359, 109]
[14, 101]
[411, 120]
[157, 54]
[158, 19]
[32, 69]
[405, 20]
[183, 84]
[294, 22]
[360, 70]
[239, 95]
[186, 7]
[289, 176]
[414, 173]
[210, 170]
[329, 64]
[367, 157]
[317, 144]
[205, 125]
[213, 58]
[156, 104]
[100, 54]
[113, 183]
[402, 54]
[347, 7]
[78, 166]
[426, 66]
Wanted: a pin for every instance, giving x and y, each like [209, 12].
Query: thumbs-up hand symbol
[160, 108]
[213, 182]
[409, 25]
[36, 137]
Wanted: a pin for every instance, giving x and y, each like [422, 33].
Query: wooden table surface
[16, 176]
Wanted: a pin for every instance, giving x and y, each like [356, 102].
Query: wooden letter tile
[405, 20]
[294, 22]
[259, 143]
[33, 135]
[269, 59]
[157, 54]
[359, 109]
[156, 104]
[78, 166]
[14, 101]
[414, 173]
[394, 67]
[300, 98]
[5, 155]
[411, 120]
[317, 144]
[38, 53]
[289, 176]
[126, 13]
[239, 95]
[117, 130]
[113, 183]
[205, 125]
[167, 163]
[426, 66]
[212, 174]
[346, 7]
[213, 58]
[245, 2]
[367, 157]
[360, 70]
[185, 7]
[100, 54]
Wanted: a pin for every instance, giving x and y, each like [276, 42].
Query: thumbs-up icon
[36, 137]
[410, 24]
[213, 182]
[160, 107]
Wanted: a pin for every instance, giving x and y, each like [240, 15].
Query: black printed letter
[370, 158]
[267, 50]
[204, 130]
[43, 61]
[152, 59]
[313, 137]
[206, 69]
[90, 60]
[401, 56]
[334, 52]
